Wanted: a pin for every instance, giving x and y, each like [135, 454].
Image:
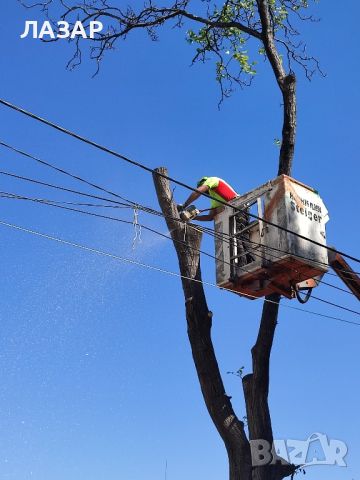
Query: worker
[218, 189]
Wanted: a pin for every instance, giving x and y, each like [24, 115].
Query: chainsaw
[189, 213]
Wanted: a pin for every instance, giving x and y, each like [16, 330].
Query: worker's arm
[210, 216]
[195, 195]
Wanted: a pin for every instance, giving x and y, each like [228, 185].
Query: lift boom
[345, 272]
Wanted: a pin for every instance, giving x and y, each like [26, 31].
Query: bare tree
[224, 34]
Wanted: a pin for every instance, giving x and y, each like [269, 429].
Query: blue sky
[97, 376]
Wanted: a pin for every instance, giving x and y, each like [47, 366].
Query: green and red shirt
[219, 190]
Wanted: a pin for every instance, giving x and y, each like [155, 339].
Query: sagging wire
[144, 208]
[226, 238]
[158, 269]
[159, 174]
[199, 228]
[138, 227]
[211, 232]
[61, 202]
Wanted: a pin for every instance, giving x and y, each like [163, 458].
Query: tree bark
[255, 384]
[288, 90]
[287, 85]
[199, 322]
[187, 239]
[256, 391]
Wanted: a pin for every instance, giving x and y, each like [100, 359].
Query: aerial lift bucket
[255, 258]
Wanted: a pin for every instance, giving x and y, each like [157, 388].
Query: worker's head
[201, 181]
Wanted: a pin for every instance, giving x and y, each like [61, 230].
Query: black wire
[155, 172]
[337, 288]
[146, 209]
[81, 179]
[104, 199]
[47, 201]
[79, 204]
[64, 172]
[100, 252]
[125, 205]
[142, 207]
[106, 217]
[52, 203]
[335, 305]
[128, 222]
[213, 232]
[58, 187]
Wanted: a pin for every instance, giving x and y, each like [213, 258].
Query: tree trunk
[256, 391]
[288, 90]
[287, 85]
[199, 322]
[187, 239]
[255, 384]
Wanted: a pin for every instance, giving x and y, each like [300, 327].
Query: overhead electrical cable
[142, 207]
[61, 202]
[50, 203]
[106, 217]
[336, 287]
[335, 304]
[227, 239]
[155, 172]
[61, 170]
[10, 195]
[129, 205]
[158, 269]
[65, 189]
[87, 182]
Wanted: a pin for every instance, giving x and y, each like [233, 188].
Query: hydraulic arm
[345, 272]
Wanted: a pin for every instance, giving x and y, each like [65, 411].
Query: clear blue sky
[97, 380]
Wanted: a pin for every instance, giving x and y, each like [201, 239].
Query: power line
[132, 205]
[65, 189]
[155, 172]
[142, 207]
[106, 217]
[48, 164]
[56, 204]
[87, 182]
[335, 305]
[227, 238]
[61, 170]
[336, 287]
[147, 209]
[158, 269]
[242, 239]
[45, 202]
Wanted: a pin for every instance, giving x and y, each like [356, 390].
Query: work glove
[180, 207]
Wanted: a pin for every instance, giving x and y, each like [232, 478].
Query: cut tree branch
[199, 322]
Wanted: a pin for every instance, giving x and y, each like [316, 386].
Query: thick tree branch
[269, 41]
[289, 125]
[287, 84]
